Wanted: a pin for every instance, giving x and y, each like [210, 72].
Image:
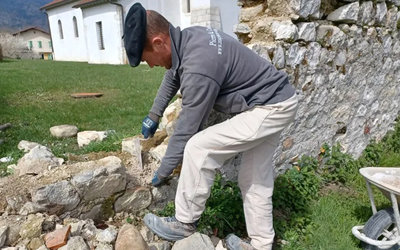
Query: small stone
[57, 238]
[3, 235]
[129, 238]
[75, 243]
[306, 31]
[107, 235]
[147, 235]
[37, 160]
[32, 227]
[64, 131]
[133, 200]
[196, 241]
[284, 30]
[287, 143]
[104, 246]
[220, 246]
[86, 137]
[26, 146]
[160, 246]
[347, 13]
[35, 243]
[31, 208]
[242, 29]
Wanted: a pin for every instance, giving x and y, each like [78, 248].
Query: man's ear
[158, 43]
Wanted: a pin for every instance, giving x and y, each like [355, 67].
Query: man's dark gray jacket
[213, 70]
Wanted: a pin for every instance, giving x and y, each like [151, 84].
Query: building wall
[109, 16]
[36, 36]
[70, 48]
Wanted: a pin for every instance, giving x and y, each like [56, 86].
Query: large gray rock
[196, 241]
[345, 14]
[130, 238]
[57, 198]
[37, 160]
[103, 181]
[284, 30]
[133, 200]
[75, 243]
[64, 131]
[305, 8]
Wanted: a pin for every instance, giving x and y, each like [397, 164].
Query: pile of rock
[49, 203]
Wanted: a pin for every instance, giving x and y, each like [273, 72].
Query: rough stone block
[64, 131]
[346, 14]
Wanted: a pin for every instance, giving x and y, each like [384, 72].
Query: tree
[12, 46]
[1, 53]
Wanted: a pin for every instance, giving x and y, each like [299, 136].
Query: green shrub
[337, 166]
[297, 187]
[224, 210]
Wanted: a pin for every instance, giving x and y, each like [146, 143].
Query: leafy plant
[337, 166]
[224, 210]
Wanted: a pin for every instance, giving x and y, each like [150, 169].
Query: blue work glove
[149, 127]
[158, 180]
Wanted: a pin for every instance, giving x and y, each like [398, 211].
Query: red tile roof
[31, 28]
[56, 3]
[88, 3]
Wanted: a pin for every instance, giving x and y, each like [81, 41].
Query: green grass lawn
[35, 95]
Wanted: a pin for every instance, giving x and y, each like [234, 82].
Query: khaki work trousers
[256, 134]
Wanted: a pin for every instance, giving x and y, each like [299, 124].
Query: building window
[186, 6]
[75, 27]
[40, 44]
[60, 29]
[50, 46]
[30, 45]
[100, 40]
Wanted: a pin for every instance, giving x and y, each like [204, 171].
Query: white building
[37, 41]
[91, 30]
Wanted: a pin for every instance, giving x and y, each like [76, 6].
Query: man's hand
[149, 127]
[158, 180]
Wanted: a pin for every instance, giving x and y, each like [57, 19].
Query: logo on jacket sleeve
[215, 39]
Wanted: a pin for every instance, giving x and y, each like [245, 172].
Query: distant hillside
[18, 14]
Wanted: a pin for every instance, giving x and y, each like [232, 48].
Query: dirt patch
[337, 188]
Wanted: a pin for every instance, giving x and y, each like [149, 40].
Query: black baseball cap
[135, 33]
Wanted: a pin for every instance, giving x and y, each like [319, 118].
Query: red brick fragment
[57, 238]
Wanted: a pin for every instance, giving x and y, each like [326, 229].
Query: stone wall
[343, 59]
[209, 17]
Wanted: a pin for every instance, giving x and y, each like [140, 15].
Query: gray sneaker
[235, 243]
[169, 228]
